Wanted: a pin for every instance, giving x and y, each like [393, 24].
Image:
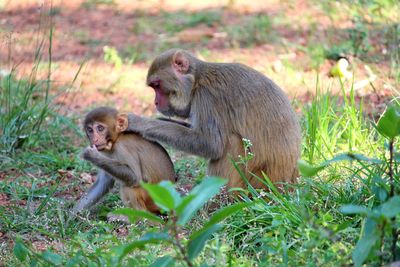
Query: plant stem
[391, 168]
[394, 230]
[394, 242]
[174, 229]
[382, 243]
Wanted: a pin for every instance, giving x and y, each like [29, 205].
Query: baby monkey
[125, 158]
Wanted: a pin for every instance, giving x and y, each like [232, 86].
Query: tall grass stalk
[334, 124]
[25, 103]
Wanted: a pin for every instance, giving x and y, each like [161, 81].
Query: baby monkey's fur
[125, 158]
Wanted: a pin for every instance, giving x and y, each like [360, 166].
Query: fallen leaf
[87, 178]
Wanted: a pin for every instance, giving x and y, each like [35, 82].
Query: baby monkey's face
[100, 135]
[103, 125]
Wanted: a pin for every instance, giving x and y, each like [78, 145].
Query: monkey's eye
[100, 128]
[155, 84]
[89, 130]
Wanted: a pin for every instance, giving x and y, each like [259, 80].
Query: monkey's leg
[224, 167]
[138, 198]
[102, 186]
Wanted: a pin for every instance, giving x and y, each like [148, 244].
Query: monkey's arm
[207, 143]
[183, 123]
[119, 170]
[102, 186]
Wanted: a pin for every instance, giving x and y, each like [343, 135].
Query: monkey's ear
[122, 122]
[180, 62]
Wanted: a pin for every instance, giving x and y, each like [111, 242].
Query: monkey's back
[156, 165]
[260, 111]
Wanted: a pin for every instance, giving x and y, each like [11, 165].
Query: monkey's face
[99, 135]
[172, 92]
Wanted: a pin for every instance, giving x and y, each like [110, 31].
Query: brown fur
[152, 163]
[128, 160]
[224, 102]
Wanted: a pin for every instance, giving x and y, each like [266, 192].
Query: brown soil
[82, 29]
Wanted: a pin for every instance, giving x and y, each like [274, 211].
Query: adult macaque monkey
[123, 157]
[224, 104]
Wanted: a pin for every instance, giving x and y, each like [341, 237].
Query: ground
[138, 31]
[101, 50]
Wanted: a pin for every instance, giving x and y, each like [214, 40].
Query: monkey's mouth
[101, 147]
[106, 146]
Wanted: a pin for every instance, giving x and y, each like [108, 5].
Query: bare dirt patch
[82, 29]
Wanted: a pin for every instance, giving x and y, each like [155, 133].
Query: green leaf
[155, 237]
[396, 156]
[185, 201]
[197, 244]
[149, 238]
[52, 258]
[20, 251]
[165, 261]
[121, 251]
[160, 195]
[209, 186]
[358, 157]
[76, 260]
[366, 243]
[223, 213]
[354, 209]
[350, 157]
[308, 170]
[389, 123]
[34, 263]
[199, 195]
[381, 193]
[134, 215]
[171, 189]
[391, 208]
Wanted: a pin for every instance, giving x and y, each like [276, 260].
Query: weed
[94, 3]
[252, 31]
[378, 241]
[173, 22]
[111, 56]
[179, 209]
[359, 36]
[317, 55]
[24, 106]
[392, 42]
[176, 22]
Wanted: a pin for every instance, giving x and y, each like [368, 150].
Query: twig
[174, 229]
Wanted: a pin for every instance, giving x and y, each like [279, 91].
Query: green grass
[300, 228]
[41, 167]
[252, 31]
[306, 227]
[173, 22]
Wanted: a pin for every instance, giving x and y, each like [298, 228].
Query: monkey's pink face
[162, 98]
[172, 94]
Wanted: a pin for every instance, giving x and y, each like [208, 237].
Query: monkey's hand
[91, 154]
[136, 123]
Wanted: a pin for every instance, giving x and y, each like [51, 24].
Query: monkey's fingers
[109, 145]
